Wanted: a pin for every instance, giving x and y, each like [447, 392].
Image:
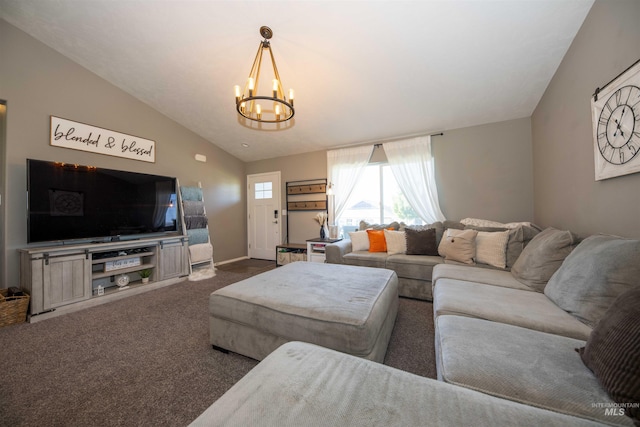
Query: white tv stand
[65, 278]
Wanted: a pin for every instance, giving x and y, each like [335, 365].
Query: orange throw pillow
[377, 242]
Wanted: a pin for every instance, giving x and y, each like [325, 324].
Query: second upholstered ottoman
[345, 308]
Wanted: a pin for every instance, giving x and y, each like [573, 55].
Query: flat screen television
[68, 202]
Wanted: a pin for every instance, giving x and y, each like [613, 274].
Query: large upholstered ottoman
[346, 308]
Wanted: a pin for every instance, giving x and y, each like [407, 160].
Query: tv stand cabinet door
[66, 280]
[174, 259]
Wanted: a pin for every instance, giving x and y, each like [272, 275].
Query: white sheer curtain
[344, 167]
[412, 166]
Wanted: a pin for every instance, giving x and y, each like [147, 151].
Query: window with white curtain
[402, 189]
[376, 199]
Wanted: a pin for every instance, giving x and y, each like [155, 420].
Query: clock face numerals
[618, 131]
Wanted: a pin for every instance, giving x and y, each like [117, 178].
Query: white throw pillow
[359, 240]
[458, 245]
[491, 248]
[396, 242]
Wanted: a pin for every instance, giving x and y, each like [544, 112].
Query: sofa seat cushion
[477, 274]
[413, 266]
[304, 385]
[530, 367]
[512, 306]
[366, 259]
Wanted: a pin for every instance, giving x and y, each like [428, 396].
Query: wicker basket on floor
[13, 309]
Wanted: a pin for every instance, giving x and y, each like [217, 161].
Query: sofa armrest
[335, 251]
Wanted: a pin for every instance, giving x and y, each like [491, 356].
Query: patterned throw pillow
[491, 248]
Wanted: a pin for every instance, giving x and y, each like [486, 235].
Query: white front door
[264, 216]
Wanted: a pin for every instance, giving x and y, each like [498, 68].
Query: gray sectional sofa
[552, 340]
[495, 336]
[415, 271]
[301, 384]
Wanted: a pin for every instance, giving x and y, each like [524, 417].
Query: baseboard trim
[231, 260]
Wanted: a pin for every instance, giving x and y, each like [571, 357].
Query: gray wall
[38, 82]
[566, 194]
[481, 171]
[485, 171]
[313, 165]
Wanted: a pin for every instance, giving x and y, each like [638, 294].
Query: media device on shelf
[69, 202]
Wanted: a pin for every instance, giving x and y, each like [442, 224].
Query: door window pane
[264, 190]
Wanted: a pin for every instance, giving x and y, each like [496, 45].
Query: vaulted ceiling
[362, 70]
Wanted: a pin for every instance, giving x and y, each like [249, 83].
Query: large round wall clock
[616, 125]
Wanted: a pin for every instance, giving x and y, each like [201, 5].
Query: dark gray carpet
[146, 360]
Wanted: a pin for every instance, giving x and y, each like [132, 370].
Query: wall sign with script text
[79, 136]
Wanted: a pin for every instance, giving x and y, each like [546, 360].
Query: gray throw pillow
[598, 270]
[421, 242]
[542, 257]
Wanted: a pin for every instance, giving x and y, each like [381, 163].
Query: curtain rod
[379, 144]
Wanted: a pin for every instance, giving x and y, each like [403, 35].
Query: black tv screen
[73, 202]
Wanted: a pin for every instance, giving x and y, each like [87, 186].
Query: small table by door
[316, 248]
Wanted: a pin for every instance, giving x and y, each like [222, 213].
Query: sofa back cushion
[421, 242]
[458, 245]
[364, 225]
[598, 270]
[612, 352]
[542, 257]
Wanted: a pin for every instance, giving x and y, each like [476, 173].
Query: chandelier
[264, 108]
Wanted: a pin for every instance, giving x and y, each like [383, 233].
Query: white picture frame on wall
[616, 125]
[81, 136]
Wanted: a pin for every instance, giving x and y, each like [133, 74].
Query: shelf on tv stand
[100, 275]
